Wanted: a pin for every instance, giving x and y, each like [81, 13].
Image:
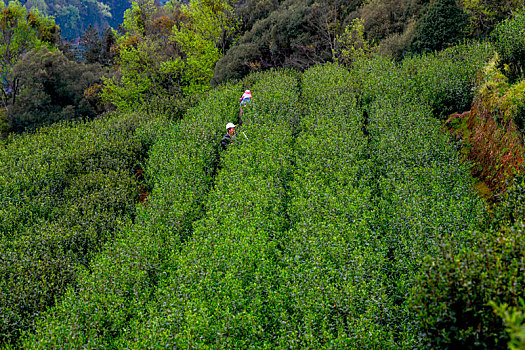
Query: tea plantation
[318, 227]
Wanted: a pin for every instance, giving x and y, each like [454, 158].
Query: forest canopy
[180, 49]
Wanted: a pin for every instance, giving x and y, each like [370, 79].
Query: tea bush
[329, 256]
[446, 81]
[509, 41]
[330, 293]
[460, 287]
[428, 213]
[422, 193]
[64, 192]
[457, 289]
[323, 225]
[218, 291]
[123, 277]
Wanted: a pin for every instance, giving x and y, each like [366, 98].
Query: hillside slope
[310, 232]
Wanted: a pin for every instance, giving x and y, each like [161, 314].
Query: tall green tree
[352, 44]
[202, 39]
[146, 59]
[168, 50]
[20, 31]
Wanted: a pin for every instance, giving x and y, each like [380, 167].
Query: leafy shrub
[308, 232]
[513, 105]
[329, 247]
[422, 193]
[509, 42]
[352, 43]
[442, 26]
[235, 247]
[65, 191]
[446, 81]
[511, 208]
[455, 291]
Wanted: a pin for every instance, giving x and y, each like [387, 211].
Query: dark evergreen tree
[443, 25]
[69, 49]
[91, 46]
[108, 41]
[52, 88]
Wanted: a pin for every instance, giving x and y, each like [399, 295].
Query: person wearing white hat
[230, 135]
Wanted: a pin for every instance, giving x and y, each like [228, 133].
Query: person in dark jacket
[230, 135]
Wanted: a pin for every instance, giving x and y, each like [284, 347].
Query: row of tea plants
[64, 191]
[123, 277]
[218, 289]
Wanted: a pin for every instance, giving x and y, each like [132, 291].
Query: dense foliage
[20, 32]
[64, 191]
[235, 247]
[509, 42]
[75, 16]
[309, 231]
[443, 25]
[161, 49]
[124, 276]
[52, 89]
[447, 81]
[298, 34]
[166, 51]
[340, 216]
[468, 297]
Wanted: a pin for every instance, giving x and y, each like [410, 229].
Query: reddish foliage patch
[493, 144]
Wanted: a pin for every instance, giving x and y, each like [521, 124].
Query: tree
[147, 61]
[40, 5]
[299, 34]
[143, 72]
[108, 42]
[352, 43]
[68, 17]
[484, 15]
[51, 88]
[328, 17]
[91, 46]
[74, 16]
[251, 11]
[443, 25]
[167, 51]
[202, 39]
[20, 31]
[390, 24]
